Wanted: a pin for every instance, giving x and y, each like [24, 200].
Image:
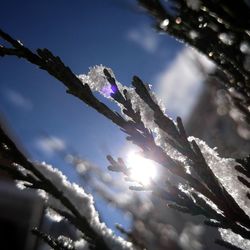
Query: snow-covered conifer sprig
[176, 137]
[158, 136]
[143, 122]
[67, 199]
[188, 147]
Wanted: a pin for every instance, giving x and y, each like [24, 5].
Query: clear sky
[83, 33]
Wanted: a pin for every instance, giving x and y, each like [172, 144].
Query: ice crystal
[226, 38]
[164, 24]
[97, 81]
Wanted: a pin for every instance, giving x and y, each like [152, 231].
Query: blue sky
[83, 33]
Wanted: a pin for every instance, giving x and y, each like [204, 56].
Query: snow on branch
[207, 183]
[67, 199]
[83, 203]
[218, 174]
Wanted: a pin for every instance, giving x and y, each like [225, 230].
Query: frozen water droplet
[210, 54]
[226, 38]
[245, 47]
[20, 42]
[219, 20]
[178, 20]
[193, 34]
[164, 24]
[5, 147]
[200, 18]
[202, 25]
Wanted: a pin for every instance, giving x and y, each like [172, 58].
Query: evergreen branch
[209, 185]
[14, 155]
[54, 66]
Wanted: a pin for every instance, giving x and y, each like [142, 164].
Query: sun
[141, 170]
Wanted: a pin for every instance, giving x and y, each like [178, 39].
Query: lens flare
[108, 90]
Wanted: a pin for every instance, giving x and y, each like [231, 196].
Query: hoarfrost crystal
[164, 24]
[97, 80]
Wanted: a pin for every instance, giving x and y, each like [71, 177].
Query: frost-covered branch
[202, 160]
[217, 29]
[206, 181]
[60, 196]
